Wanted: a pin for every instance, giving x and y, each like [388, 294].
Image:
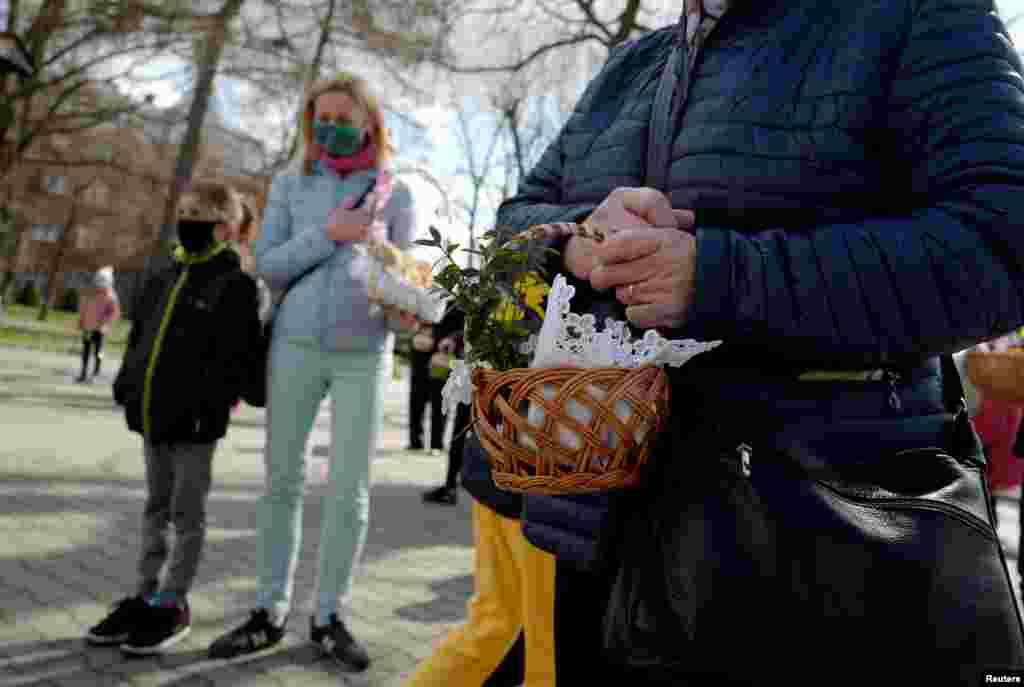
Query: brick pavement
[71, 494]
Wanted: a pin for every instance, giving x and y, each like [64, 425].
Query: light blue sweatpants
[300, 375]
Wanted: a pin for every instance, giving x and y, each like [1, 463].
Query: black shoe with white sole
[256, 634]
[159, 631]
[337, 642]
[120, 623]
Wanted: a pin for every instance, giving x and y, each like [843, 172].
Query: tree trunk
[65, 243]
[511, 112]
[207, 61]
[314, 72]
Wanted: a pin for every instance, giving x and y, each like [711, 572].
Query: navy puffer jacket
[856, 169]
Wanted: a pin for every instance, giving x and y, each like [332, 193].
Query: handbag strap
[953, 394]
[381, 182]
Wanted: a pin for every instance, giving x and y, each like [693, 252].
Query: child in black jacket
[190, 354]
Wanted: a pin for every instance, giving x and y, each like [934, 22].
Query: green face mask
[338, 139]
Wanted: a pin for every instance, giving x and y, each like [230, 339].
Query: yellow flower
[532, 289]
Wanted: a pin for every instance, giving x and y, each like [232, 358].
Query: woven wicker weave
[998, 375]
[499, 403]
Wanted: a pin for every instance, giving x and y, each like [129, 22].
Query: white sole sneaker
[108, 640]
[156, 648]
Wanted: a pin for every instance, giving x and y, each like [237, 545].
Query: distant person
[325, 340]
[424, 390]
[188, 358]
[449, 340]
[97, 312]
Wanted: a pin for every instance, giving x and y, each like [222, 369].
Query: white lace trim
[567, 339]
[572, 340]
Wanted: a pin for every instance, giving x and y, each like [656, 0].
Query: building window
[47, 233]
[78, 280]
[55, 183]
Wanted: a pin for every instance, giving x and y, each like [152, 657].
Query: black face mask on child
[196, 237]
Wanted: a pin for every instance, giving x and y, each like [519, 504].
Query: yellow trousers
[514, 592]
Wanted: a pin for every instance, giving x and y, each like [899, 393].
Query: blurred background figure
[98, 310]
[449, 342]
[424, 389]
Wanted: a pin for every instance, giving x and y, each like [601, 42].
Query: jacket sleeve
[540, 199]
[280, 255]
[142, 301]
[240, 345]
[936, 279]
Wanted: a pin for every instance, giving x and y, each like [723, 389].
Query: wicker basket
[998, 375]
[613, 446]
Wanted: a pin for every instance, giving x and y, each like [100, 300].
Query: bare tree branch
[525, 61]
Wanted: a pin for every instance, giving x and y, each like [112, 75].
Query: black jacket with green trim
[191, 349]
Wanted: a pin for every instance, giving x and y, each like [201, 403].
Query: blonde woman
[324, 340]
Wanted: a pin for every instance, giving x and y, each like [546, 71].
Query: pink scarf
[364, 159]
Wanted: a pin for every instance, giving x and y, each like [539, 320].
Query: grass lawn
[58, 333]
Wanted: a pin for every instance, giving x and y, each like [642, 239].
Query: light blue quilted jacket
[328, 302]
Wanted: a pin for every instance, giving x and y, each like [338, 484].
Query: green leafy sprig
[480, 292]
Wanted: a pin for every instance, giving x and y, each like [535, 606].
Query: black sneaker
[337, 642]
[160, 630]
[119, 624]
[256, 634]
[442, 496]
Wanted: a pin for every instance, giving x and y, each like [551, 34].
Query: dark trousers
[463, 416]
[422, 390]
[177, 484]
[92, 346]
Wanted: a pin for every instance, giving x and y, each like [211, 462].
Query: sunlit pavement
[71, 494]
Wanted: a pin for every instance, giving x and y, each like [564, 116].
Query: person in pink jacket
[97, 311]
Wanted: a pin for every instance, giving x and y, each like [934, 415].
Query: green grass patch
[63, 319]
[49, 341]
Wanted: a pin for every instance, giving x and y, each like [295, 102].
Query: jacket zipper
[892, 378]
[147, 388]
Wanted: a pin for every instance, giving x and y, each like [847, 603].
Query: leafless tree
[209, 46]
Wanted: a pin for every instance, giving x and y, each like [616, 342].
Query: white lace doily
[571, 340]
[567, 339]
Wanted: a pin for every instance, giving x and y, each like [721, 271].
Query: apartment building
[97, 197]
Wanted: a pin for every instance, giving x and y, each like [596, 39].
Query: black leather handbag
[758, 560]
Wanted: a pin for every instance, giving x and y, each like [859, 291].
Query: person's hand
[624, 208]
[628, 208]
[579, 257]
[652, 270]
[447, 345]
[346, 224]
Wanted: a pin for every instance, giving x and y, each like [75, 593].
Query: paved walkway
[71, 494]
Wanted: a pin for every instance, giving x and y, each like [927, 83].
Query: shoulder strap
[659, 132]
